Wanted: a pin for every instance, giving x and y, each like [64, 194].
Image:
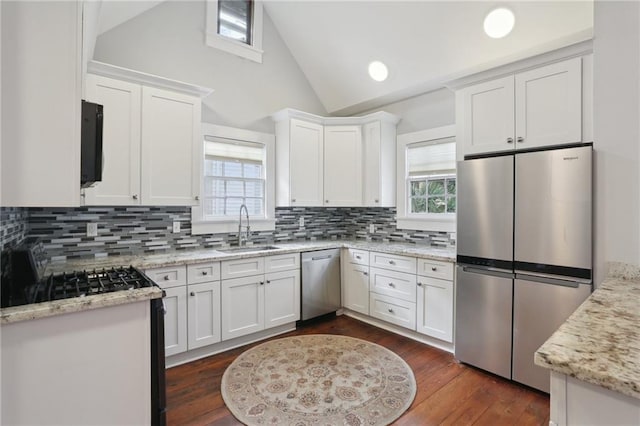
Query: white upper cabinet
[489, 116]
[335, 161]
[549, 105]
[342, 166]
[306, 165]
[379, 168]
[41, 103]
[531, 109]
[152, 143]
[172, 148]
[120, 183]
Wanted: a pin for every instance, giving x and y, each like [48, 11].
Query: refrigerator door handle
[575, 283]
[488, 271]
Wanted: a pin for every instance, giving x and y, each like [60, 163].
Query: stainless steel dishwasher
[320, 283]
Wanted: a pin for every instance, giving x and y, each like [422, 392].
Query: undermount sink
[244, 249]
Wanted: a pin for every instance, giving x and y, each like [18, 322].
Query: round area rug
[318, 380]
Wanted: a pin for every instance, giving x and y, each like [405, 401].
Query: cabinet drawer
[435, 269]
[393, 262]
[282, 262]
[203, 272]
[394, 284]
[359, 257]
[173, 276]
[399, 312]
[242, 267]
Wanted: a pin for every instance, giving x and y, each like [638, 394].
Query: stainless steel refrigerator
[524, 256]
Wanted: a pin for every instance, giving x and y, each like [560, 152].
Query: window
[235, 26]
[238, 168]
[432, 177]
[426, 180]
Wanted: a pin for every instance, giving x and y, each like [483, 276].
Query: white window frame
[252, 52]
[230, 224]
[420, 221]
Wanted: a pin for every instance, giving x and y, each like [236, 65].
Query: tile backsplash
[140, 230]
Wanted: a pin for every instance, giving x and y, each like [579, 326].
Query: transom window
[235, 20]
[234, 174]
[431, 177]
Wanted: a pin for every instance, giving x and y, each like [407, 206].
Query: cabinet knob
[520, 139]
[391, 262]
[204, 272]
[134, 196]
[419, 284]
[375, 201]
[197, 197]
[293, 200]
[268, 281]
[509, 140]
[166, 277]
[390, 310]
[358, 257]
[326, 201]
[392, 285]
[433, 268]
[261, 282]
[192, 294]
[366, 273]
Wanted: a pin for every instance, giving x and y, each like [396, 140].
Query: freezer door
[483, 321]
[553, 212]
[539, 309]
[485, 209]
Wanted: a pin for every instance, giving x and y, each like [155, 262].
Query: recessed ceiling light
[499, 22]
[378, 71]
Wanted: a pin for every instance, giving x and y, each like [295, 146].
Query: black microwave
[91, 144]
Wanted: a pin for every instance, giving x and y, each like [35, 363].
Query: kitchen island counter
[600, 343]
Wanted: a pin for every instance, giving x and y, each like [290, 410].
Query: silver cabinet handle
[326, 201]
[390, 310]
[433, 268]
[419, 284]
[358, 257]
[375, 201]
[268, 281]
[293, 200]
[509, 140]
[197, 197]
[391, 262]
[392, 285]
[520, 139]
[366, 273]
[134, 196]
[261, 282]
[192, 294]
[166, 277]
[204, 272]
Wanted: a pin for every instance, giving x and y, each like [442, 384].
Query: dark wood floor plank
[447, 392]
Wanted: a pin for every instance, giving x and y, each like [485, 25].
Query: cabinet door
[281, 298]
[435, 308]
[372, 176]
[172, 148]
[306, 163]
[120, 183]
[549, 105]
[342, 166]
[488, 110]
[204, 314]
[242, 306]
[175, 320]
[356, 288]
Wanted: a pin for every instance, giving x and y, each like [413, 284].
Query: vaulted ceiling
[424, 43]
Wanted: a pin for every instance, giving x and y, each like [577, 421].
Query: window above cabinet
[235, 26]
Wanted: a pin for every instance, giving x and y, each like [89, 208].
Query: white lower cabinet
[242, 306]
[356, 288]
[435, 308]
[393, 310]
[256, 302]
[203, 316]
[175, 320]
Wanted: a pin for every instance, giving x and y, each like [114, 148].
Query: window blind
[432, 159]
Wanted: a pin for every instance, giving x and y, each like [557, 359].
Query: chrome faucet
[246, 236]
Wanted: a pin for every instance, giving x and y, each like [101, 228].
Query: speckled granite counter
[40, 310]
[600, 342]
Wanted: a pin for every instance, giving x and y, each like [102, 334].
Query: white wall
[425, 111]
[616, 94]
[168, 40]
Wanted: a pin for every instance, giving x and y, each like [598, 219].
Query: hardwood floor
[448, 393]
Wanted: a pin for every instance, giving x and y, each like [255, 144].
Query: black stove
[87, 283]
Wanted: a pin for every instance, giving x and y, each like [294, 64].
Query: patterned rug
[318, 380]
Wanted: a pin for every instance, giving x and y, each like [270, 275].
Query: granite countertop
[600, 342]
[46, 309]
